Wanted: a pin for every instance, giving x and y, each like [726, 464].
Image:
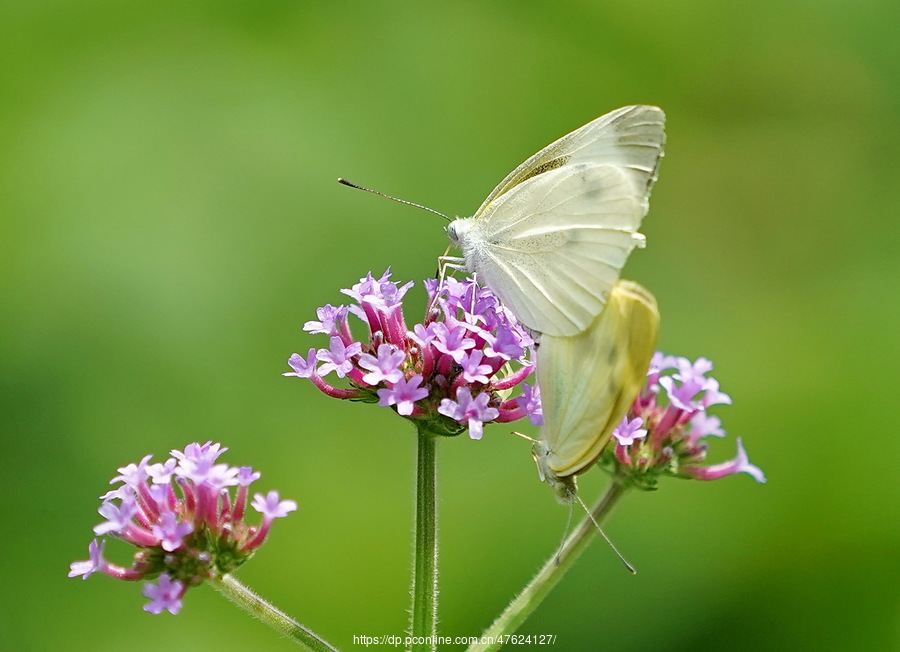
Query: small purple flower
[133, 474]
[338, 358]
[184, 522]
[628, 431]
[170, 532]
[506, 345]
[385, 367]
[303, 367]
[271, 506]
[683, 395]
[87, 568]
[403, 394]
[740, 464]
[453, 341]
[246, 476]
[530, 401]
[704, 425]
[712, 395]
[118, 517]
[472, 369]
[423, 335]
[165, 595]
[687, 369]
[330, 318]
[382, 294]
[473, 411]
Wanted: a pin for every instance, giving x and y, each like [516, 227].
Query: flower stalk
[550, 574]
[253, 604]
[423, 622]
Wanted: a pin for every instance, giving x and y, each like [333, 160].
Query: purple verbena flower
[628, 431]
[165, 595]
[338, 357]
[403, 394]
[85, 569]
[383, 367]
[467, 341]
[183, 521]
[530, 401]
[474, 411]
[303, 367]
[453, 341]
[671, 414]
[740, 464]
[330, 320]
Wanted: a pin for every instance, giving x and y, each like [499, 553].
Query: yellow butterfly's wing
[589, 381]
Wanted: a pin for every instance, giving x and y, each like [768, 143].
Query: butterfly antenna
[519, 434]
[343, 181]
[630, 568]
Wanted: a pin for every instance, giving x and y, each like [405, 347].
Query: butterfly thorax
[563, 486]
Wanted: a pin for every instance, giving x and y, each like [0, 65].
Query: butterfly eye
[451, 232]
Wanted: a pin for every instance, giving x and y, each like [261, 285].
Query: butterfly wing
[552, 249]
[589, 381]
[551, 239]
[631, 137]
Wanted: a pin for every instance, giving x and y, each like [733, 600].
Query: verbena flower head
[184, 522]
[666, 429]
[451, 372]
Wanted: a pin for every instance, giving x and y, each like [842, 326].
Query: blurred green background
[170, 218]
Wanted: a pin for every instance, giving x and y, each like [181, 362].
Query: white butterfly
[551, 239]
[589, 381]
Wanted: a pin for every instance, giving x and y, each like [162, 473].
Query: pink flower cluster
[451, 372]
[664, 432]
[183, 521]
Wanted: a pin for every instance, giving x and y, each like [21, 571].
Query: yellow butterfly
[589, 381]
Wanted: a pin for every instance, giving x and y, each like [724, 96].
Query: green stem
[548, 577]
[423, 625]
[269, 614]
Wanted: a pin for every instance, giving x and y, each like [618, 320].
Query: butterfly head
[457, 229]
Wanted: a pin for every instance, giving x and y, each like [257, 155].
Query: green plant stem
[269, 614]
[542, 583]
[423, 625]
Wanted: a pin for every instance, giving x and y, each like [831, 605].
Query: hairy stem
[423, 625]
[271, 615]
[548, 577]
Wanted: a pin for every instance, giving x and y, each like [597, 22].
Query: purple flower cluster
[184, 522]
[664, 432]
[451, 372]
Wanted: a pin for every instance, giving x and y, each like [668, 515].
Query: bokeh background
[170, 218]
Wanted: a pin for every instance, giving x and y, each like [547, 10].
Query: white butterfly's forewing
[631, 137]
[552, 249]
[551, 239]
[589, 381]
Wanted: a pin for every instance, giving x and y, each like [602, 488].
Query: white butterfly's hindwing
[551, 239]
[589, 381]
